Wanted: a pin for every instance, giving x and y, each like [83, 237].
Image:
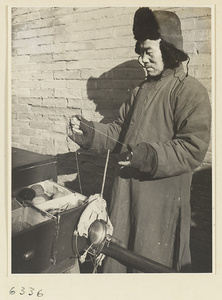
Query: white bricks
[95, 54]
[69, 93]
[69, 60]
[123, 52]
[64, 37]
[19, 75]
[88, 45]
[43, 23]
[76, 84]
[54, 66]
[66, 56]
[19, 11]
[53, 84]
[47, 75]
[69, 75]
[42, 92]
[52, 102]
[99, 13]
[29, 101]
[97, 34]
[21, 92]
[17, 60]
[51, 12]
[81, 26]
[26, 17]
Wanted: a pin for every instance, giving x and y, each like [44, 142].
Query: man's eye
[146, 52]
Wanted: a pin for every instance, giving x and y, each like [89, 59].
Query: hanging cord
[82, 258]
[80, 186]
[95, 253]
[90, 250]
[67, 137]
[104, 174]
[78, 172]
[97, 263]
[76, 156]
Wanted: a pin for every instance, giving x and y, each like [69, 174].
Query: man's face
[152, 57]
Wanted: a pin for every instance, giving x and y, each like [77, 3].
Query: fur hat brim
[153, 25]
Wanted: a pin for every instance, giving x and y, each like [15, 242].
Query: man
[164, 133]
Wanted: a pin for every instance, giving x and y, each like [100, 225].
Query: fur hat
[157, 24]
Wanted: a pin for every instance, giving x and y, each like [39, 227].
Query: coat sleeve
[107, 136]
[188, 147]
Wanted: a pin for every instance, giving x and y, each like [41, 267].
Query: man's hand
[81, 131]
[75, 124]
[125, 159]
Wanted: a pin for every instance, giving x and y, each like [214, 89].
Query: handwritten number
[40, 294]
[12, 291]
[31, 291]
[22, 291]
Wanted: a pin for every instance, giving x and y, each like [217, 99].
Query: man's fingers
[74, 125]
[76, 131]
[74, 121]
[124, 163]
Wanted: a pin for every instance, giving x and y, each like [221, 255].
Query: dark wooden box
[47, 246]
[40, 243]
[30, 167]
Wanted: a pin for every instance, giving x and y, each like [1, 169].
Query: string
[104, 174]
[107, 159]
[78, 172]
[77, 164]
[104, 134]
[67, 137]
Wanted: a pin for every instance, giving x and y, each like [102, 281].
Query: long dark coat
[167, 123]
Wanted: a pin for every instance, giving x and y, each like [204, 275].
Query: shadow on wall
[114, 87]
[107, 92]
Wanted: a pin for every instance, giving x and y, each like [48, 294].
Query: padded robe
[167, 123]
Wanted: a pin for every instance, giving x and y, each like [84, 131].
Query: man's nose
[145, 58]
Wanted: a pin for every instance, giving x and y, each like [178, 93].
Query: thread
[104, 174]
[78, 172]
[107, 159]
[104, 134]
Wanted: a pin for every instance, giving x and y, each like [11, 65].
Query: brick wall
[70, 60]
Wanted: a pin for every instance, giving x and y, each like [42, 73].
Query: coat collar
[167, 73]
[178, 72]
